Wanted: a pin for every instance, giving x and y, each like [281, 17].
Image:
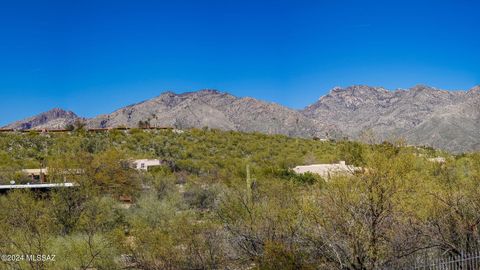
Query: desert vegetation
[229, 200]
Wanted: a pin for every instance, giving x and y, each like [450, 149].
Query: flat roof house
[144, 164]
[37, 175]
[327, 171]
[40, 175]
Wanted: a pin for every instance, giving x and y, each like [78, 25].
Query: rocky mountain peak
[366, 89]
[54, 118]
[209, 91]
[203, 92]
[422, 115]
[168, 94]
[357, 90]
[422, 87]
[58, 113]
[474, 90]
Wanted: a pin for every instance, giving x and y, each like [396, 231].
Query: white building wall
[327, 170]
[144, 164]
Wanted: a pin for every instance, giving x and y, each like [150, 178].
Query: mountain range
[421, 115]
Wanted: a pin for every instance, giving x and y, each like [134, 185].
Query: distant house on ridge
[144, 164]
[327, 171]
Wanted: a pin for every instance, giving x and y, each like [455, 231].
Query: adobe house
[438, 160]
[144, 164]
[37, 175]
[326, 171]
[41, 175]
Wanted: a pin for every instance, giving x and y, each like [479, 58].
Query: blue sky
[93, 57]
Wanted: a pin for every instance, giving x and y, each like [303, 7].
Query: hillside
[213, 109]
[422, 115]
[230, 200]
[53, 119]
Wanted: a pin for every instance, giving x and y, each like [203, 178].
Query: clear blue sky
[93, 57]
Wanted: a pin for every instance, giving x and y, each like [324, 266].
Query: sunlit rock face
[53, 119]
[421, 115]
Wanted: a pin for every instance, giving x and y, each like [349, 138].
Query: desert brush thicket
[196, 210]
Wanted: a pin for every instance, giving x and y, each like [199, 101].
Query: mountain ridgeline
[421, 115]
[53, 119]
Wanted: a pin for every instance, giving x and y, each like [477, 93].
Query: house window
[142, 165]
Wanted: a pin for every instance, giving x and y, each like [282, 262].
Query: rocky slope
[214, 109]
[53, 119]
[455, 127]
[422, 115]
